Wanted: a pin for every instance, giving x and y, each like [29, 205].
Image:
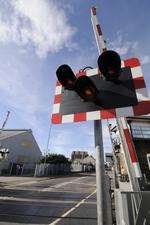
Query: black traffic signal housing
[109, 64]
[66, 77]
[82, 85]
[115, 89]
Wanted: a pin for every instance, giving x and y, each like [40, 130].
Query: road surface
[62, 201]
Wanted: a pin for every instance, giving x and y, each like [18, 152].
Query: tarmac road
[62, 201]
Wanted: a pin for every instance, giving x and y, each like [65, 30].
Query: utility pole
[5, 121]
[100, 168]
[48, 141]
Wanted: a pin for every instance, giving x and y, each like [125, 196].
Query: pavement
[67, 200]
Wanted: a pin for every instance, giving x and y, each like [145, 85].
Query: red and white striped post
[131, 148]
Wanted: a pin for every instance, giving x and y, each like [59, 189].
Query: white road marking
[69, 182]
[24, 183]
[62, 184]
[42, 201]
[72, 209]
[86, 184]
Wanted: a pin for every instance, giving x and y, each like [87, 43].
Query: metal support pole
[47, 145]
[100, 174]
[100, 168]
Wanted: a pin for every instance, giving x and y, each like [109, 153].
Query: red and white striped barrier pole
[97, 31]
[131, 148]
[127, 136]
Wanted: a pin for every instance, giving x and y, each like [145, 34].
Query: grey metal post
[100, 169]
[100, 174]
[47, 145]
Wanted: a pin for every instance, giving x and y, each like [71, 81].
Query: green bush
[55, 159]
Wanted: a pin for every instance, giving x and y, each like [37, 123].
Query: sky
[37, 36]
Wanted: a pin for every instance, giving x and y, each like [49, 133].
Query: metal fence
[77, 168]
[46, 169]
[132, 208]
[17, 169]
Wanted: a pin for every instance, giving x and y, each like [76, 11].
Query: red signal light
[85, 88]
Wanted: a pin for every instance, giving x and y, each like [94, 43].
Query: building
[140, 131]
[78, 155]
[22, 151]
[89, 163]
[81, 161]
[89, 160]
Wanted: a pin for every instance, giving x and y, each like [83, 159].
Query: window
[140, 130]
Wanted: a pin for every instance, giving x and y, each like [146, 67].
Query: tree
[55, 159]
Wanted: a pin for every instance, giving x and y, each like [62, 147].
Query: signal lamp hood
[66, 77]
[109, 64]
[86, 89]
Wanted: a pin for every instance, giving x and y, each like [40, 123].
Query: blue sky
[36, 36]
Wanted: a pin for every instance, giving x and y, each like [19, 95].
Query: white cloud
[22, 94]
[79, 137]
[68, 138]
[123, 46]
[61, 141]
[16, 89]
[41, 23]
[145, 59]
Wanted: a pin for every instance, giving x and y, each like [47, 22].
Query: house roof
[89, 159]
[6, 133]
